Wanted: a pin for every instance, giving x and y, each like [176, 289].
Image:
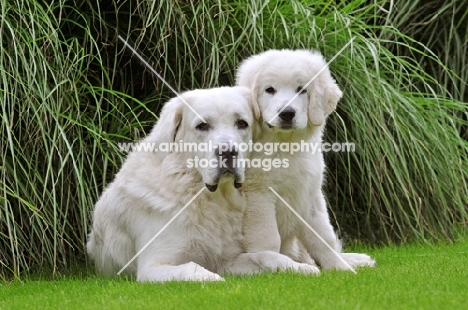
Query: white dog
[277, 77]
[151, 187]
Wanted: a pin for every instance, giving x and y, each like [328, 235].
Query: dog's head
[292, 89]
[209, 125]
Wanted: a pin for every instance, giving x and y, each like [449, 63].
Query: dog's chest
[215, 231]
[280, 170]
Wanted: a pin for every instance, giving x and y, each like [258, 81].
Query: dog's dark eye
[241, 124]
[203, 127]
[270, 90]
[300, 90]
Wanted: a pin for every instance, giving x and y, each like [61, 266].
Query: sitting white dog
[277, 77]
[152, 187]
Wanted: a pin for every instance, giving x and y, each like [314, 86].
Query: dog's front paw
[195, 272]
[358, 259]
[305, 268]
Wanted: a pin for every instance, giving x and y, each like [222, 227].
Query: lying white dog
[276, 77]
[151, 187]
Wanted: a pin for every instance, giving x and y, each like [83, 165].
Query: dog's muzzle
[286, 117]
[227, 159]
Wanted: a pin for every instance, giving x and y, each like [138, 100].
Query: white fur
[150, 188]
[269, 224]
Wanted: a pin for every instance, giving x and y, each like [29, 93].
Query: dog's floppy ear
[247, 75]
[170, 118]
[323, 98]
[250, 96]
[254, 100]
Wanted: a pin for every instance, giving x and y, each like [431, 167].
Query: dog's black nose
[229, 154]
[287, 114]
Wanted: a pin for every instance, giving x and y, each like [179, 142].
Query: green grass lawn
[409, 277]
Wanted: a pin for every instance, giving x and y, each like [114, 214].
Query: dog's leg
[260, 227]
[185, 272]
[323, 244]
[159, 263]
[319, 247]
[294, 249]
[251, 263]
